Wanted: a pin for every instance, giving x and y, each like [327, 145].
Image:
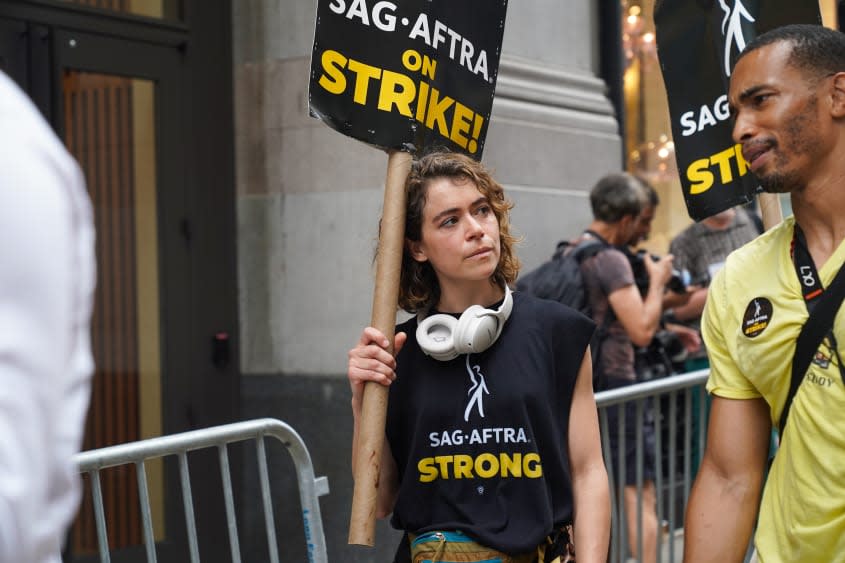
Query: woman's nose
[474, 228]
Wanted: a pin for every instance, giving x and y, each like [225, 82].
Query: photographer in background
[673, 342]
[701, 249]
[617, 202]
[665, 355]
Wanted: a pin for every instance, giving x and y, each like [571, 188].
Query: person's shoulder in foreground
[46, 289]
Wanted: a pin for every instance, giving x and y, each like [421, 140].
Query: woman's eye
[483, 210]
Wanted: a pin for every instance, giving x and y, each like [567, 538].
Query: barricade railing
[140, 452]
[678, 407]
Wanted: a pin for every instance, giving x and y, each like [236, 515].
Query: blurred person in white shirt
[47, 278]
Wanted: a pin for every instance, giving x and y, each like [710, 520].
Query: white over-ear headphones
[443, 337]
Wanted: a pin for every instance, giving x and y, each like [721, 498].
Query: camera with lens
[678, 283]
[664, 356]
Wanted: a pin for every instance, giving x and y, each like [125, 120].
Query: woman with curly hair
[492, 449]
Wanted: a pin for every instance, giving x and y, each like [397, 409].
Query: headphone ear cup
[435, 335]
[475, 330]
[443, 337]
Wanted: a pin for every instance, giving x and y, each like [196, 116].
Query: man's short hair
[617, 195]
[652, 197]
[816, 50]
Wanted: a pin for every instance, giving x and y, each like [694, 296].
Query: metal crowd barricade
[310, 487]
[678, 450]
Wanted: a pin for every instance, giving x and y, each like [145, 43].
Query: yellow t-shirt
[755, 310]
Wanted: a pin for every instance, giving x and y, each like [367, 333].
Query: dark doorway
[118, 90]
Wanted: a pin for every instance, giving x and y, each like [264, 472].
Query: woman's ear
[838, 95]
[415, 250]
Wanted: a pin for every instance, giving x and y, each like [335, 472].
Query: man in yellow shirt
[787, 95]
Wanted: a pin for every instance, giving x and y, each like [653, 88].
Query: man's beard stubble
[777, 183]
[799, 139]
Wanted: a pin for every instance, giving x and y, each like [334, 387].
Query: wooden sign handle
[371, 425]
[770, 210]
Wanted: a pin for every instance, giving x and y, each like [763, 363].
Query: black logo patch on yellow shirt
[757, 317]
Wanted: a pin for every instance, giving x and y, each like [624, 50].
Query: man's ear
[415, 250]
[622, 229]
[837, 93]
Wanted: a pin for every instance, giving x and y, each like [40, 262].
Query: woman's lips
[480, 252]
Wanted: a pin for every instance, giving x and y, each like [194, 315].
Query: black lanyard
[811, 285]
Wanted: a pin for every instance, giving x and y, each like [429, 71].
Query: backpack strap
[588, 248]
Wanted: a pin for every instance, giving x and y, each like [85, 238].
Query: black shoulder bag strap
[591, 247]
[823, 304]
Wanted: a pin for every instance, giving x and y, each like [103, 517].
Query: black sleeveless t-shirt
[481, 441]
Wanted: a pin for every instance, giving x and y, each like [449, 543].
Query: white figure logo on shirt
[732, 29]
[476, 391]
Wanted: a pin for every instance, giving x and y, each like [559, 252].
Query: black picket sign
[407, 75]
[697, 44]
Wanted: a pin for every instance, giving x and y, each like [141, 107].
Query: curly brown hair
[418, 285]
